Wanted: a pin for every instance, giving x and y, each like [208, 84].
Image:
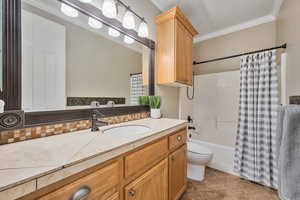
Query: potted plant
[155, 103]
[143, 100]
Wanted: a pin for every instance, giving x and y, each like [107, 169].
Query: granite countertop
[33, 164]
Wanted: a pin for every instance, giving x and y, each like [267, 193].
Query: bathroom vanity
[73, 58]
[105, 165]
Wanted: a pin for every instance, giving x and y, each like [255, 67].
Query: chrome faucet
[95, 122]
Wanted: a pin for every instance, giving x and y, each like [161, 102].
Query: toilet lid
[198, 148]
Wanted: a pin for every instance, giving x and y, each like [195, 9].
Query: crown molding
[235, 28]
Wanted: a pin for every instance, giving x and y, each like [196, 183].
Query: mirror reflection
[1, 45]
[71, 61]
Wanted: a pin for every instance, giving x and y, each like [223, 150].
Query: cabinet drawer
[177, 139]
[136, 161]
[102, 184]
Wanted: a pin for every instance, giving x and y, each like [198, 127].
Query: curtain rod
[133, 74]
[284, 46]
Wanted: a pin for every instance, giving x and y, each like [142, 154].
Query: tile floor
[221, 186]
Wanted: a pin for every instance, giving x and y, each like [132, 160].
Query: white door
[43, 63]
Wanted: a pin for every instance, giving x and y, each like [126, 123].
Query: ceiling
[213, 18]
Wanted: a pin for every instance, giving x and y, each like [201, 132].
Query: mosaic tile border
[18, 135]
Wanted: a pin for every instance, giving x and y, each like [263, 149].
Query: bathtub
[223, 156]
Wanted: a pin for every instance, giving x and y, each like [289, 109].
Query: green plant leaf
[154, 102]
[143, 100]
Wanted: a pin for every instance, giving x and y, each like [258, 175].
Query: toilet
[198, 157]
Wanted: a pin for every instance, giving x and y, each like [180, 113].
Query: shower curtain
[255, 143]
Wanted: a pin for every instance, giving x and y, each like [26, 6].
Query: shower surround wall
[215, 113]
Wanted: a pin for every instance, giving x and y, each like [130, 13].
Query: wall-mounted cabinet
[174, 48]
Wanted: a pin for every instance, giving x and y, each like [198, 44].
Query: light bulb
[113, 32]
[128, 20]
[68, 10]
[95, 23]
[109, 9]
[143, 30]
[128, 40]
[86, 1]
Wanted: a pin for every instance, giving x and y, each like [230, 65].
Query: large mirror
[71, 61]
[1, 46]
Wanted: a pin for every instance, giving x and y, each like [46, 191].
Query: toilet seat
[198, 149]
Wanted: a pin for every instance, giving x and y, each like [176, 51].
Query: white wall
[215, 107]
[288, 31]
[215, 113]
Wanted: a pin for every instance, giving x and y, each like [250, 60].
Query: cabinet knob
[173, 158]
[179, 138]
[81, 193]
[132, 192]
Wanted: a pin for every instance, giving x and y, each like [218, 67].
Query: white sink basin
[128, 130]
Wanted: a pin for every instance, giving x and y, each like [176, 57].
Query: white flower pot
[155, 113]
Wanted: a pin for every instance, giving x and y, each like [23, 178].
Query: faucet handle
[97, 112]
[95, 104]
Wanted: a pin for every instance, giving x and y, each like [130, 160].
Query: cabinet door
[152, 185]
[113, 197]
[189, 58]
[177, 173]
[180, 52]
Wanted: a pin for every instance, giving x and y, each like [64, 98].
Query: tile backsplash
[18, 135]
[86, 101]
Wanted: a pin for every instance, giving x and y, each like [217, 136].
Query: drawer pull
[81, 194]
[179, 138]
[132, 192]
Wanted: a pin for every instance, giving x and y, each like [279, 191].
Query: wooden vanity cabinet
[174, 48]
[140, 159]
[177, 173]
[177, 139]
[99, 185]
[154, 171]
[152, 185]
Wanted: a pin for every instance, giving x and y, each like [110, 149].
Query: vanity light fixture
[128, 40]
[109, 9]
[128, 20]
[95, 23]
[143, 30]
[86, 1]
[113, 32]
[68, 10]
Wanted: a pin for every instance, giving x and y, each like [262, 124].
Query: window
[136, 88]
